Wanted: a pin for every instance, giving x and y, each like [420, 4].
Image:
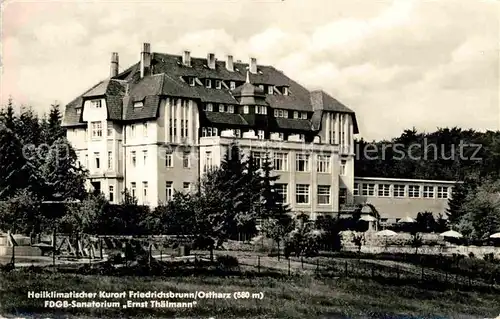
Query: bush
[227, 262]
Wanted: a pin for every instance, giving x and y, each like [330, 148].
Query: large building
[158, 125]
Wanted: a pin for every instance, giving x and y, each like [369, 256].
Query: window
[208, 160]
[302, 194]
[96, 130]
[185, 160]
[186, 186]
[209, 107]
[285, 113]
[237, 132]
[191, 81]
[218, 84]
[78, 111]
[442, 192]
[261, 86]
[384, 190]
[285, 90]
[97, 160]
[355, 190]
[260, 134]
[230, 109]
[96, 103]
[303, 115]
[186, 128]
[428, 191]
[169, 161]
[281, 161]
[171, 127]
[342, 196]
[145, 192]
[133, 158]
[208, 83]
[259, 158]
[260, 109]
[368, 190]
[221, 108]
[169, 191]
[302, 162]
[276, 113]
[145, 157]
[145, 129]
[232, 85]
[323, 164]
[342, 167]
[323, 194]
[110, 128]
[413, 191]
[110, 160]
[208, 131]
[138, 104]
[132, 189]
[282, 191]
[399, 190]
[246, 109]
[132, 130]
[295, 114]
[111, 193]
[270, 89]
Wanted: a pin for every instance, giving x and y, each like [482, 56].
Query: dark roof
[225, 118]
[169, 79]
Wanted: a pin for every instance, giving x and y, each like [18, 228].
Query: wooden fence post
[100, 248]
[258, 264]
[288, 266]
[54, 248]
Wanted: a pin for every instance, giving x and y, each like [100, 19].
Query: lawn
[287, 297]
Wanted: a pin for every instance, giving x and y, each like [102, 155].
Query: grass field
[291, 297]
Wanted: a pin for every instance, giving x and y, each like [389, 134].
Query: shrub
[227, 262]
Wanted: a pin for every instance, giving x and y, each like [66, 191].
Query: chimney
[211, 61]
[229, 63]
[186, 58]
[114, 65]
[253, 65]
[146, 60]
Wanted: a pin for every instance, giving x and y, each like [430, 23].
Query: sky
[398, 64]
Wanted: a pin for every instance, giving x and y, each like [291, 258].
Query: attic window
[270, 89]
[208, 107]
[78, 111]
[96, 103]
[191, 81]
[304, 115]
[232, 85]
[285, 90]
[208, 83]
[218, 84]
[138, 104]
[295, 114]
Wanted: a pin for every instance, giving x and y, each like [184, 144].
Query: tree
[177, 217]
[277, 226]
[457, 200]
[425, 222]
[28, 127]
[20, 213]
[416, 240]
[88, 216]
[8, 117]
[53, 131]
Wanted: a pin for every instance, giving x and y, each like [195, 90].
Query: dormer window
[221, 108]
[304, 115]
[246, 109]
[208, 83]
[232, 85]
[295, 114]
[260, 134]
[270, 89]
[260, 110]
[138, 104]
[208, 107]
[230, 109]
[78, 111]
[218, 84]
[261, 87]
[96, 103]
[285, 90]
[191, 81]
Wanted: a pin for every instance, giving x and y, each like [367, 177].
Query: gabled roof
[168, 78]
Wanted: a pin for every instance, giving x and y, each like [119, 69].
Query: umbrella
[368, 218]
[495, 235]
[406, 220]
[386, 233]
[451, 233]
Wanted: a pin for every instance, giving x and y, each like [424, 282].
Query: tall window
[111, 193]
[145, 129]
[368, 190]
[323, 164]
[171, 127]
[342, 167]
[342, 195]
[282, 190]
[259, 157]
[355, 190]
[413, 191]
[144, 192]
[399, 190]
[110, 160]
[428, 191]
[281, 161]
[169, 191]
[185, 160]
[169, 160]
[145, 157]
[208, 160]
[97, 160]
[132, 130]
[442, 192]
[186, 128]
[384, 190]
[302, 162]
[133, 158]
[96, 130]
[323, 194]
[109, 129]
[133, 188]
[302, 194]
